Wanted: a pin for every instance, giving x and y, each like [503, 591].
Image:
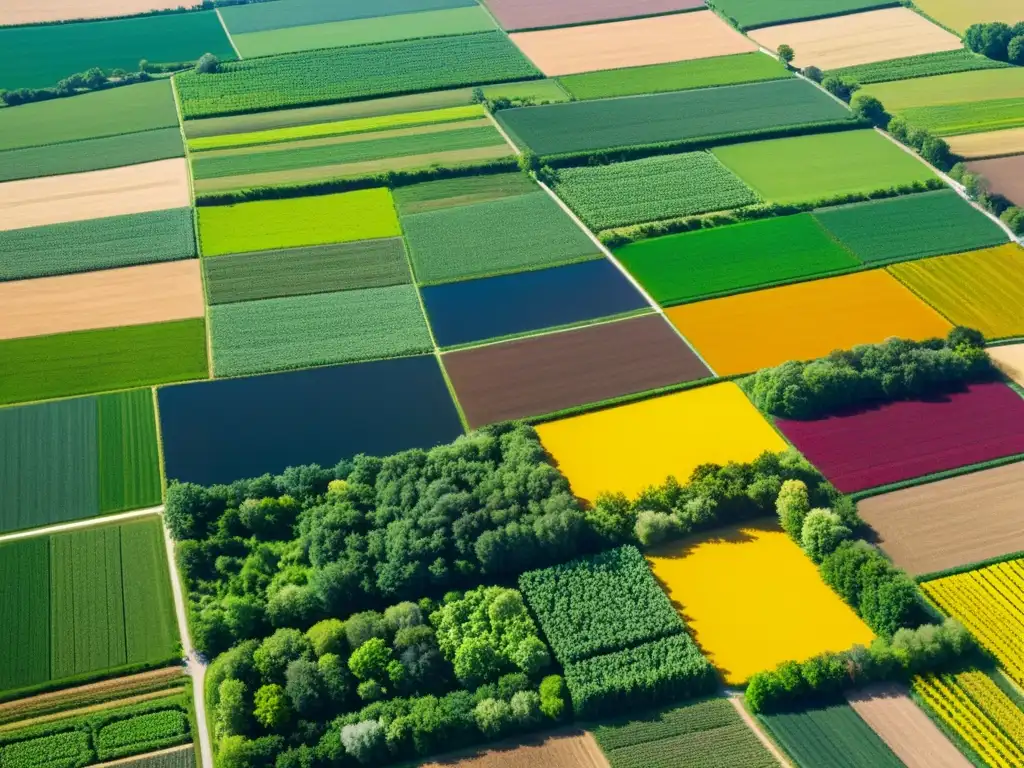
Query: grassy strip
[926, 479]
[912, 67]
[970, 117]
[957, 570]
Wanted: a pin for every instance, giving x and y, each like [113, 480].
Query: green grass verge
[447, 193]
[129, 464]
[24, 613]
[910, 67]
[971, 117]
[151, 627]
[834, 735]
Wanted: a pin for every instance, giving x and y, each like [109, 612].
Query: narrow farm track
[79, 524]
[736, 699]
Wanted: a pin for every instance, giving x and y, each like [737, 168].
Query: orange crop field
[628, 448]
[741, 334]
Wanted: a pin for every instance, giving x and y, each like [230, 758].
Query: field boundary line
[735, 700]
[505, 136]
[75, 525]
[227, 32]
[135, 758]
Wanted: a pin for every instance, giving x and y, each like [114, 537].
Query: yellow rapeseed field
[753, 599]
[633, 446]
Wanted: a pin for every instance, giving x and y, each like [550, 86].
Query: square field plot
[559, 371]
[749, 14]
[640, 42]
[219, 431]
[904, 440]
[753, 581]
[979, 289]
[537, 14]
[959, 15]
[742, 334]
[630, 447]
[861, 38]
[1010, 359]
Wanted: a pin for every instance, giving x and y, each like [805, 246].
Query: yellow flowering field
[753, 599]
[633, 446]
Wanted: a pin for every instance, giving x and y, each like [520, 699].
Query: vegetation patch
[833, 735]
[970, 117]
[25, 631]
[243, 19]
[749, 14]
[957, 88]
[448, 193]
[910, 67]
[129, 466]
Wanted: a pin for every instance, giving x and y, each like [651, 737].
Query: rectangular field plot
[627, 448]
[667, 117]
[979, 289]
[905, 440]
[950, 523]
[266, 225]
[83, 362]
[833, 736]
[306, 331]
[728, 585]
[723, 260]
[465, 190]
[494, 307]
[924, 65]
[508, 235]
[219, 431]
[635, 43]
[910, 227]
[243, 19]
[742, 334]
[809, 168]
[1010, 360]
[654, 188]
[304, 271]
[959, 16]
[545, 374]
[33, 13]
[862, 38]
[749, 14]
[956, 88]
[565, 749]
[537, 14]
[25, 610]
[968, 117]
[1005, 176]
[977, 146]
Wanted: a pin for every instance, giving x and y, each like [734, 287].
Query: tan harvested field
[35, 11]
[908, 731]
[951, 522]
[859, 38]
[1010, 358]
[576, 749]
[153, 293]
[659, 40]
[960, 14]
[94, 195]
[976, 146]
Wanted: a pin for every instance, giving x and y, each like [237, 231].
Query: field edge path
[736, 699]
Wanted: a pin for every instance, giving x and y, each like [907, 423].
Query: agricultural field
[306, 331]
[105, 243]
[219, 431]
[508, 305]
[862, 38]
[910, 227]
[564, 749]
[723, 260]
[924, 65]
[968, 117]
[537, 14]
[670, 117]
[956, 88]
[708, 72]
[1010, 359]
[750, 14]
[243, 19]
[728, 585]
[33, 13]
[832, 735]
[81, 603]
[950, 523]
[633, 43]
[743, 333]
[979, 289]
[660, 187]
[345, 74]
[988, 602]
[464, 190]
[74, 459]
[512, 234]
[809, 168]
[977, 146]
[909, 439]
[545, 374]
[266, 225]
[630, 447]
[177, 757]
[709, 734]
[959, 16]
[1005, 176]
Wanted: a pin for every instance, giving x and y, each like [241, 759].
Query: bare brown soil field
[988, 144]
[1005, 176]
[544, 374]
[636, 43]
[152, 293]
[535, 14]
[907, 730]
[35, 11]
[94, 195]
[576, 749]
[1010, 359]
[952, 522]
[859, 38]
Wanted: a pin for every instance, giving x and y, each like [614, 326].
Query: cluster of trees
[896, 369]
[931, 148]
[978, 189]
[496, 105]
[997, 40]
[91, 80]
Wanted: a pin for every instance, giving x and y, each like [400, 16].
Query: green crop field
[382, 29]
[304, 331]
[118, 44]
[957, 88]
[910, 67]
[340, 74]
[446, 193]
[834, 736]
[809, 168]
[151, 629]
[24, 613]
[723, 260]
[82, 246]
[180, 758]
[292, 223]
[508, 235]
[129, 467]
[242, 19]
[971, 117]
[677, 76]
[82, 362]
[606, 196]
[91, 154]
[536, 91]
[911, 227]
[303, 271]
[749, 14]
[641, 120]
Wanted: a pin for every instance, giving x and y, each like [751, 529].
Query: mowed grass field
[750, 14]
[807, 168]
[832, 735]
[630, 447]
[84, 602]
[923, 65]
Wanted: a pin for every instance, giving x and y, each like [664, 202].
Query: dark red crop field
[904, 440]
